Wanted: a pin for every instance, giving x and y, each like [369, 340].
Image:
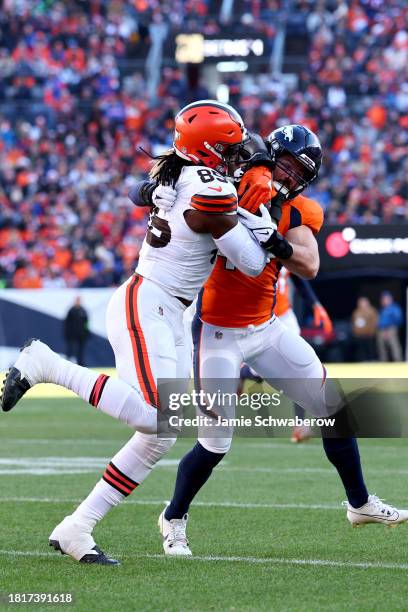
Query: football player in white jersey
[145, 314]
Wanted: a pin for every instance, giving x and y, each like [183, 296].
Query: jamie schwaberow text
[257, 421]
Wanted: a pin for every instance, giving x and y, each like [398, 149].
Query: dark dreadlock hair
[167, 168]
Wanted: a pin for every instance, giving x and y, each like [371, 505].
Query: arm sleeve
[305, 289]
[243, 251]
[141, 193]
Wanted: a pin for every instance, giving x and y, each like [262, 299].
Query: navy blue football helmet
[304, 145]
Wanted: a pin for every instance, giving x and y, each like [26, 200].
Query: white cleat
[34, 365]
[75, 539]
[375, 511]
[175, 541]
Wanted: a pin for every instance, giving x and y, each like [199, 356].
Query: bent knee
[220, 446]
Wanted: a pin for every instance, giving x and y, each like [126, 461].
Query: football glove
[255, 188]
[164, 197]
[264, 229]
[321, 318]
[261, 227]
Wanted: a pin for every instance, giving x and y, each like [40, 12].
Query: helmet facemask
[296, 179]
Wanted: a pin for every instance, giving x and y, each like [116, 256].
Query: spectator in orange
[377, 115]
[81, 266]
[27, 278]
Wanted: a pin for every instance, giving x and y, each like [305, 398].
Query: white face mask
[284, 190]
[281, 188]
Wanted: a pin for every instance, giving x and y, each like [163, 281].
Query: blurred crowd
[72, 119]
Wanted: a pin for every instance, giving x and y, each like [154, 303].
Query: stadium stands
[76, 103]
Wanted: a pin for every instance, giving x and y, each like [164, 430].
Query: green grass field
[268, 531]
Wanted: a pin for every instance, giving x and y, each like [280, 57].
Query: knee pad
[216, 445]
[151, 448]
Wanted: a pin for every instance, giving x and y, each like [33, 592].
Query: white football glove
[164, 197]
[262, 227]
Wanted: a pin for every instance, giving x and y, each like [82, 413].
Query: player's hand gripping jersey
[173, 255]
[232, 299]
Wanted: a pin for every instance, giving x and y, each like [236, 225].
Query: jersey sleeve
[307, 212]
[216, 195]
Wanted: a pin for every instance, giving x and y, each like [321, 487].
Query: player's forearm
[141, 193]
[242, 250]
[303, 262]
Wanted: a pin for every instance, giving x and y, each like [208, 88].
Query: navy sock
[344, 455]
[193, 472]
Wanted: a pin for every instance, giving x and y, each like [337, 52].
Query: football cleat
[73, 539]
[375, 511]
[301, 434]
[175, 541]
[31, 367]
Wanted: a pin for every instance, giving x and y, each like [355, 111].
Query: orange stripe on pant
[140, 353]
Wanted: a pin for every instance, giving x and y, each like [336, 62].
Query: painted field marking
[161, 502]
[232, 559]
[48, 466]
[279, 445]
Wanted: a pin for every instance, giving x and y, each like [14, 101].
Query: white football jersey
[174, 256]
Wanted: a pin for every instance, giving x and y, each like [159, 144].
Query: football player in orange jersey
[235, 323]
[284, 310]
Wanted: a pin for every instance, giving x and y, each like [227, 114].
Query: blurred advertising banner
[40, 313]
[345, 247]
[196, 48]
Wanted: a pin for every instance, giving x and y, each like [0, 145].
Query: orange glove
[255, 188]
[322, 319]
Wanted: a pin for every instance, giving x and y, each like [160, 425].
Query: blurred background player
[364, 325]
[284, 310]
[76, 331]
[389, 322]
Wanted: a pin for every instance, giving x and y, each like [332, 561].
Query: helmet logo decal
[288, 131]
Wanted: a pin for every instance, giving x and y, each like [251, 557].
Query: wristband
[278, 246]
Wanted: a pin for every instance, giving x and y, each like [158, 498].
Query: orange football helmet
[208, 133]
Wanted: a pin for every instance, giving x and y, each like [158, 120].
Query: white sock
[101, 499]
[110, 395]
[74, 377]
[128, 468]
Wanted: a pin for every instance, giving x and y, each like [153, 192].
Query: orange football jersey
[282, 293]
[232, 299]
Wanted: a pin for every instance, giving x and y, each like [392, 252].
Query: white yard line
[233, 559]
[262, 444]
[161, 502]
[51, 466]
[282, 561]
